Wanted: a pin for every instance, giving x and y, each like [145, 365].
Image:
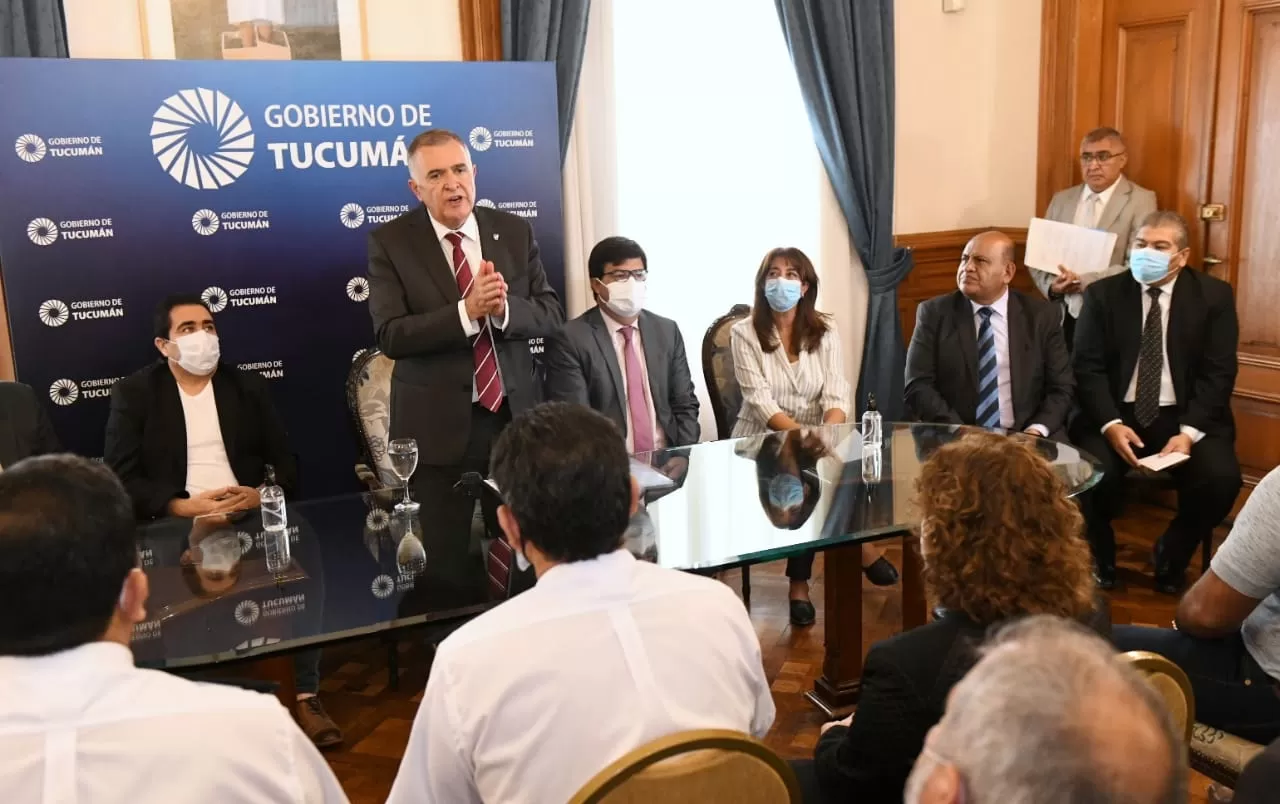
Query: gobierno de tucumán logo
[202, 138]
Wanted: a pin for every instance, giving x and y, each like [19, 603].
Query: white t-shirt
[207, 464]
[1249, 562]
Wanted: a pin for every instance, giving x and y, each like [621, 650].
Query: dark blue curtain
[843, 54]
[549, 30]
[32, 28]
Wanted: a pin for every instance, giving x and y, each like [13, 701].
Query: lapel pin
[495, 235]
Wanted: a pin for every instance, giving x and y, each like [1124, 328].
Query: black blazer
[1200, 347]
[942, 363]
[25, 429]
[413, 299]
[582, 367]
[146, 440]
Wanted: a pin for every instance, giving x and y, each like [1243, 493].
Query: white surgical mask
[522, 563]
[198, 352]
[626, 299]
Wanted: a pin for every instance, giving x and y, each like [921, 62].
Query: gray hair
[1104, 133]
[1022, 726]
[1168, 218]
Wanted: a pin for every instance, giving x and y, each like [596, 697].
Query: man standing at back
[622, 360]
[455, 292]
[77, 721]
[606, 653]
[1106, 200]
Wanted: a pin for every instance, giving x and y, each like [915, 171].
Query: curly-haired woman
[1000, 540]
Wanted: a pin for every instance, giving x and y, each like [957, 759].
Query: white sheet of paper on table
[1080, 249]
[1158, 463]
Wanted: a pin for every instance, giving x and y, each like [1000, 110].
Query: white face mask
[198, 352]
[626, 299]
[522, 563]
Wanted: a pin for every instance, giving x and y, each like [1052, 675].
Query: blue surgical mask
[786, 492]
[782, 294]
[1148, 265]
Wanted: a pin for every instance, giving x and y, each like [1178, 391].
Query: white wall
[968, 87]
[403, 30]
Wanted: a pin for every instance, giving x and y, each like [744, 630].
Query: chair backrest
[706, 766]
[369, 402]
[1168, 680]
[717, 370]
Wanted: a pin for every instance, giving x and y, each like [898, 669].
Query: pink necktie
[641, 424]
[488, 383]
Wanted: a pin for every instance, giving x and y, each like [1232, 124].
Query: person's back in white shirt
[528, 701]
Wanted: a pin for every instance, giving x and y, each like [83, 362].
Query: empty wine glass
[403, 453]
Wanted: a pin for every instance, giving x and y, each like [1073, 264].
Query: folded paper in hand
[1078, 248]
[1158, 463]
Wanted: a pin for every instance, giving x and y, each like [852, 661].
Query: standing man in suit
[622, 360]
[25, 429]
[989, 355]
[1155, 361]
[192, 436]
[1108, 201]
[456, 292]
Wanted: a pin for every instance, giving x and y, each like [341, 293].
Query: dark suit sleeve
[924, 402]
[275, 441]
[540, 314]
[45, 440]
[1093, 390]
[1059, 382]
[566, 381]
[399, 332]
[1211, 398]
[684, 401]
[871, 759]
[123, 453]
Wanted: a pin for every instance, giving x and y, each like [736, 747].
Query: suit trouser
[1207, 485]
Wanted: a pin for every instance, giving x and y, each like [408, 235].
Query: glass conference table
[223, 590]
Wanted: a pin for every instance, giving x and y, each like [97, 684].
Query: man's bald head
[1051, 715]
[986, 267]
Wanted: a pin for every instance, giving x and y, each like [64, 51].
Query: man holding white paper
[1155, 364]
[1107, 201]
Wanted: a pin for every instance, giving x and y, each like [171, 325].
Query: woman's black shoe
[802, 613]
[881, 572]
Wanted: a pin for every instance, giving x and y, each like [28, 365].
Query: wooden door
[1156, 87]
[1246, 164]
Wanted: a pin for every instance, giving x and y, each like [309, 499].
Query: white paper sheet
[1158, 463]
[1080, 249]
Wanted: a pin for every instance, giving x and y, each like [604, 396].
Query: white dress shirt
[1000, 329]
[531, 699]
[1168, 397]
[85, 726]
[1089, 208]
[208, 467]
[772, 384]
[471, 249]
[620, 351]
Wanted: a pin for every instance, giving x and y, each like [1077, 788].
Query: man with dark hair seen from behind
[75, 715]
[609, 652]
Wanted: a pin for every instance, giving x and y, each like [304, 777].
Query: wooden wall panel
[481, 29]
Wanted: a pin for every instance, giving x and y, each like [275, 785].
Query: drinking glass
[403, 453]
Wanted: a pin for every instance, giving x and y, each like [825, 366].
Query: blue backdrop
[255, 183]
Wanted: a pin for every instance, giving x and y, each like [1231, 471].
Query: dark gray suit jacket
[942, 363]
[413, 299]
[582, 367]
[25, 429]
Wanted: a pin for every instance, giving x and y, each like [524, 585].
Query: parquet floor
[377, 720]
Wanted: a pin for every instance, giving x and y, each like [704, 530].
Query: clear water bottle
[872, 427]
[274, 516]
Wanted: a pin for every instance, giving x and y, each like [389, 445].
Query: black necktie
[1146, 402]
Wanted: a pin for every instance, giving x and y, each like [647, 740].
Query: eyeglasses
[621, 276]
[1101, 157]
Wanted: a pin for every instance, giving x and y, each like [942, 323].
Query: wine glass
[403, 453]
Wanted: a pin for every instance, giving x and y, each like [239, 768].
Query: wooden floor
[377, 720]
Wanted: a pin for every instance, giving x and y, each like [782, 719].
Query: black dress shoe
[1168, 584]
[802, 613]
[881, 572]
[1105, 578]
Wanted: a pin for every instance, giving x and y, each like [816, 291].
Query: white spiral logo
[205, 222]
[42, 231]
[215, 298]
[171, 129]
[383, 587]
[54, 313]
[30, 148]
[247, 612]
[485, 202]
[358, 289]
[351, 215]
[246, 541]
[377, 519]
[64, 392]
[481, 138]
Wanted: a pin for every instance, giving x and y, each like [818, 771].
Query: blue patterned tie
[988, 373]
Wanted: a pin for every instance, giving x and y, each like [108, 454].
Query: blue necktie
[988, 373]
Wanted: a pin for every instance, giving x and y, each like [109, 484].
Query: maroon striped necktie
[487, 382]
